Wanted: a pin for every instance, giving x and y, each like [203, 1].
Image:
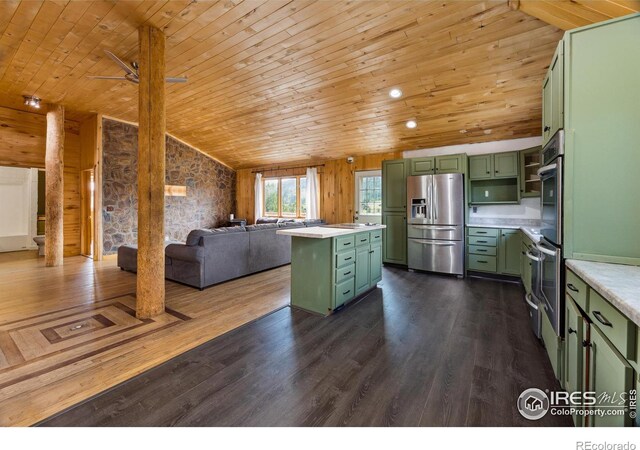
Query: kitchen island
[333, 265]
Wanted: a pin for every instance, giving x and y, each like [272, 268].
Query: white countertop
[617, 283]
[531, 231]
[325, 232]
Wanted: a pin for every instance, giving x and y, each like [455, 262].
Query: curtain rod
[286, 168]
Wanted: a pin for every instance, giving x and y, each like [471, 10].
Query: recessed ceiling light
[32, 100]
[395, 93]
[411, 124]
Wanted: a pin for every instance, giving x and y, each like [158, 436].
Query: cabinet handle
[481, 242]
[602, 319]
[546, 128]
[347, 259]
[483, 262]
[363, 240]
[571, 330]
[497, 171]
[481, 250]
[371, 251]
[481, 232]
[488, 172]
[347, 243]
[586, 344]
[572, 288]
[345, 293]
[346, 273]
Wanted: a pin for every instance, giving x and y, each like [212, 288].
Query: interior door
[368, 196]
[15, 209]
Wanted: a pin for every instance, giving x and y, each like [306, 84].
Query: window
[285, 197]
[370, 195]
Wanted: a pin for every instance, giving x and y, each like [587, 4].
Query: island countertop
[326, 232]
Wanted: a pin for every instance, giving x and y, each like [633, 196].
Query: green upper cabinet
[505, 165]
[529, 180]
[438, 164]
[422, 166]
[394, 185]
[395, 237]
[494, 165]
[610, 373]
[509, 251]
[480, 167]
[450, 164]
[553, 96]
[602, 111]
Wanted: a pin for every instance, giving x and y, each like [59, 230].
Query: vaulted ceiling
[272, 81]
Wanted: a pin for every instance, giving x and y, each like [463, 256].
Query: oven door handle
[534, 258]
[527, 298]
[546, 251]
[546, 169]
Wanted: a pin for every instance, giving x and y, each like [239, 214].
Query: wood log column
[54, 187]
[151, 174]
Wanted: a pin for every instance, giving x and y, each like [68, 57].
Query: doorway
[87, 206]
[368, 196]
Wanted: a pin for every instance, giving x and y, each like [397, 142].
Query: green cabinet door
[509, 252]
[394, 185]
[480, 167]
[394, 238]
[362, 269]
[610, 374]
[422, 166]
[375, 264]
[553, 96]
[574, 370]
[505, 165]
[449, 164]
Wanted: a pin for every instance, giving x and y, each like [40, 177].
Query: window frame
[280, 214]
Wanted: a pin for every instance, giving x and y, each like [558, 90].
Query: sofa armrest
[194, 253]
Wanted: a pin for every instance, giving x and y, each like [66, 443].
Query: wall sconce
[175, 191]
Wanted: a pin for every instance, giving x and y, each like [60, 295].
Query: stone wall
[210, 188]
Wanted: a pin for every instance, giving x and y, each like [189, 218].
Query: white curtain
[313, 193]
[257, 210]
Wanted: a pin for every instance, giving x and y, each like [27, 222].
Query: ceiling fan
[131, 72]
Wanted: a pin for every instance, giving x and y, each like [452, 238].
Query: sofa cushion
[261, 226]
[194, 237]
[290, 225]
[236, 229]
[285, 220]
[266, 220]
[313, 222]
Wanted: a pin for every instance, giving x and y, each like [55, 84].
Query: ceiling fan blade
[121, 63]
[176, 79]
[106, 78]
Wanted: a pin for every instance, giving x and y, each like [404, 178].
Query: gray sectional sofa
[212, 256]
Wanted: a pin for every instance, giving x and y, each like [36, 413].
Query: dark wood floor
[424, 350]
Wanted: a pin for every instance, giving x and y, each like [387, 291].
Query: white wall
[18, 207]
[529, 208]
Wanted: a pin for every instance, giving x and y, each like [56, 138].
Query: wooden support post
[54, 202]
[151, 174]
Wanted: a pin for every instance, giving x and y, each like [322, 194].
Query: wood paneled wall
[22, 144]
[337, 183]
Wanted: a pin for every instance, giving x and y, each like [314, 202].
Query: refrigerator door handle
[435, 199]
[430, 207]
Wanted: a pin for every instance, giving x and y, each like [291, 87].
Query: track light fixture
[32, 100]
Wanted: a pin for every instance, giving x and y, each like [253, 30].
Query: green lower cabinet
[345, 291]
[375, 263]
[553, 345]
[573, 368]
[395, 238]
[610, 374]
[363, 269]
[510, 250]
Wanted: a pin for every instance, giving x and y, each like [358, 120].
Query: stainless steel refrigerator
[435, 223]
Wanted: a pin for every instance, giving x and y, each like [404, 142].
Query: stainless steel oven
[550, 246]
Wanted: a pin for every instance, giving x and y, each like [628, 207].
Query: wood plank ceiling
[272, 81]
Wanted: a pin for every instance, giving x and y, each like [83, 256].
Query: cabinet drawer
[345, 258]
[577, 289]
[345, 272]
[375, 236]
[345, 242]
[482, 250]
[480, 240]
[483, 263]
[362, 239]
[345, 291]
[615, 326]
[491, 232]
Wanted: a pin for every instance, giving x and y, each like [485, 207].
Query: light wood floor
[68, 333]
